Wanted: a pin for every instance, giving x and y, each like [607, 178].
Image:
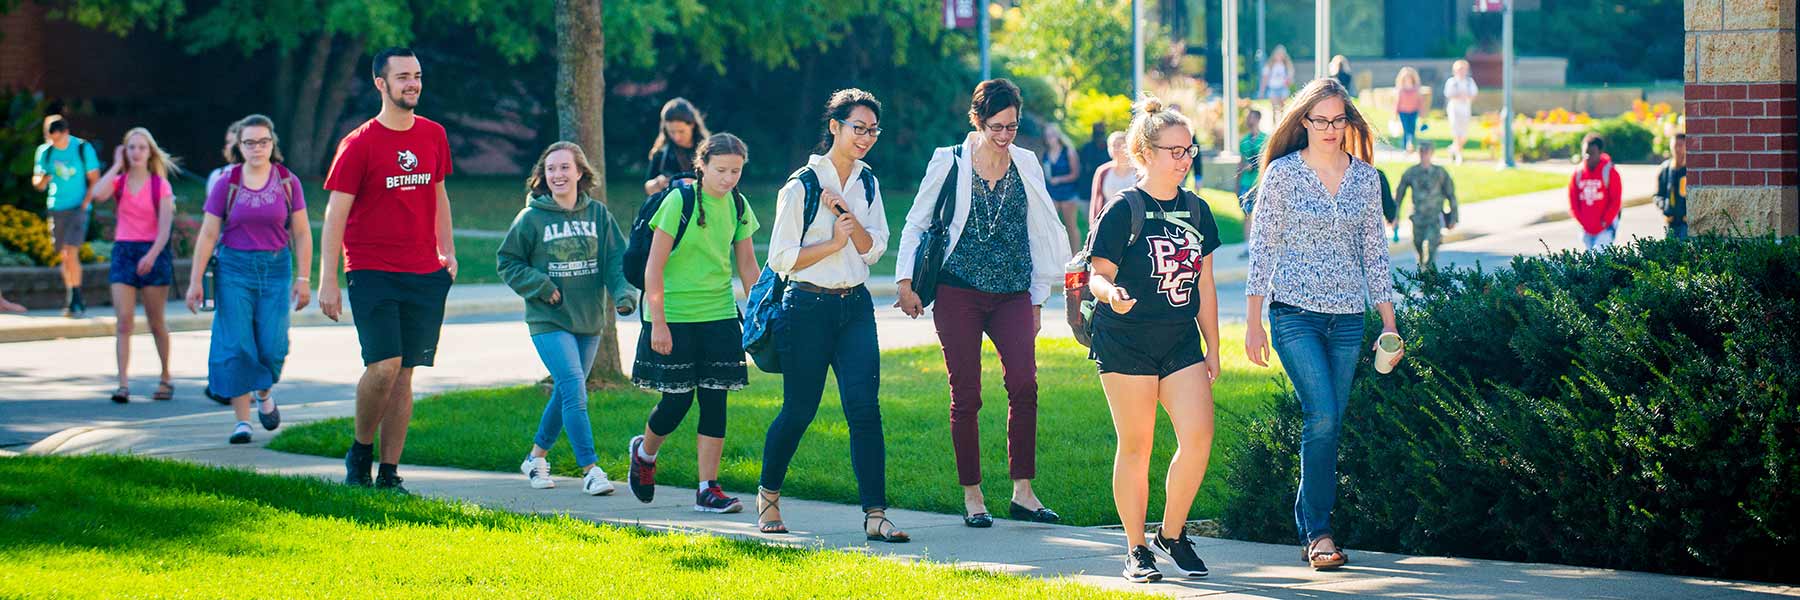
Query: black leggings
[674, 407]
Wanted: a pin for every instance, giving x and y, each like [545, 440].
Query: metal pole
[1506, 72]
[1230, 80]
[1137, 48]
[1321, 37]
[987, 70]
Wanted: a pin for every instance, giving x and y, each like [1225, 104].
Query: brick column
[1741, 120]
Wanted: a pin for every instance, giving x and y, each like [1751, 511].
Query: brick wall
[1742, 134]
[22, 46]
[1742, 123]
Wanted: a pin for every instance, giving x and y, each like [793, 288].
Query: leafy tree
[1078, 45]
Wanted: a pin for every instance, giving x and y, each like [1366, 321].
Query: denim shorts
[125, 259]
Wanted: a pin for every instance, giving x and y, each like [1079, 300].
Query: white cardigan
[1049, 240]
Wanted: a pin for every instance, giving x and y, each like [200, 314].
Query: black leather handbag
[928, 258]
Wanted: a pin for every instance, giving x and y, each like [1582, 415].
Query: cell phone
[837, 209]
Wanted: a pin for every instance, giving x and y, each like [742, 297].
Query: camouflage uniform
[1431, 187]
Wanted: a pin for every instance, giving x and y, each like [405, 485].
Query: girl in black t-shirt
[1157, 301]
[672, 156]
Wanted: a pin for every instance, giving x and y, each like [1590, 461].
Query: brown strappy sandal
[1322, 560]
[885, 530]
[165, 390]
[766, 501]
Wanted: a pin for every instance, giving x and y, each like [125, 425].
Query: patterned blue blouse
[1316, 251]
[994, 253]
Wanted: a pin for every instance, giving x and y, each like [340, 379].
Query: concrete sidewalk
[1240, 570]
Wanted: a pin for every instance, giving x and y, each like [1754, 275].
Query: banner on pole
[959, 14]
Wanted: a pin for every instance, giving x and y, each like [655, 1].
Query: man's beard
[399, 100]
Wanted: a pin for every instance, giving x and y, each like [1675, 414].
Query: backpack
[764, 309]
[1079, 302]
[637, 248]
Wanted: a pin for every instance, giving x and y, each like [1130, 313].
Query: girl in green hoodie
[563, 255]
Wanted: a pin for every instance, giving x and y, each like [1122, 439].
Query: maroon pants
[962, 316]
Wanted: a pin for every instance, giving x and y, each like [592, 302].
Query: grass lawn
[184, 531]
[1480, 182]
[491, 430]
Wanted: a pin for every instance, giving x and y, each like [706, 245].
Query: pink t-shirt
[137, 209]
[1408, 100]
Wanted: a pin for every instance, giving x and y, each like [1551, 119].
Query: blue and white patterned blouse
[1316, 251]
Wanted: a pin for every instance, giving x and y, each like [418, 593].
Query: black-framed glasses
[1179, 152]
[1323, 124]
[861, 130]
[257, 143]
[1012, 127]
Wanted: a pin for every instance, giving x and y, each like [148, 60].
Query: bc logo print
[1175, 261]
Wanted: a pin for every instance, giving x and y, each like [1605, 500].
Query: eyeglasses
[257, 143]
[1323, 124]
[861, 130]
[1012, 127]
[1179, 152]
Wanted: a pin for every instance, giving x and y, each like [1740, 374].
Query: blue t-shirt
[68, 169]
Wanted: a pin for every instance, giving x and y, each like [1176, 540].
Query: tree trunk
[580, 106]
[304, 154]
[341, 78]
[284, 86]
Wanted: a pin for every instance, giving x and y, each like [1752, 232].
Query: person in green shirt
[692, 348]
[64, 168]
[564, 256]
[1431, 188]
[1249, 165]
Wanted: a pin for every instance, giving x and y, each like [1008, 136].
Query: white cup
[1386, 347]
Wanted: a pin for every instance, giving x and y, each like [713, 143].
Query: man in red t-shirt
[1594, 195]
[389, 217]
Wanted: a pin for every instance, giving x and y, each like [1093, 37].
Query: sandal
[121, 395]
[164, 391]
[885, 530]
[1323, 559]
[766, 501]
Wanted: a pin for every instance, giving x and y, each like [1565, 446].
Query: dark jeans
[962, 315]
[1319, 351]
[820, 332]
[1409, 130]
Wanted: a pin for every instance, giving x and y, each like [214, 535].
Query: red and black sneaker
[643, 473]
[712, 499]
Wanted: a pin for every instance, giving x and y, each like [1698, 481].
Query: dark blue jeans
[1319, 351]
[820, 332]
[1409, 130]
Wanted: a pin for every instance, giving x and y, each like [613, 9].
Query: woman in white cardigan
[1006, 250]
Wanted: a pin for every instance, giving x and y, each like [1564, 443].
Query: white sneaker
[596, 483]
[538, 471]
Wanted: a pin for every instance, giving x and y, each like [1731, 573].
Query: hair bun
[1149, 105]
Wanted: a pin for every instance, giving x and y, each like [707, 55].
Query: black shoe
[357, 466]
[1041, 515]
[241, 435]
[1181, 552]
[642, 477]
[390, 483]
[979, 520]
[1140, 566]
[270, 420]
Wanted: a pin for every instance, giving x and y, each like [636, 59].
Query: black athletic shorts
[1158, 349]
[398, 314]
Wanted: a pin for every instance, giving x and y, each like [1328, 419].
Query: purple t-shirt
[259, 216]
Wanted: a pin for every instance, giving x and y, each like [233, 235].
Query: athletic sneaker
[713, 500]
[537, 470]
[1181, 552]
[643, 473]
[596, 483]
[241, 434]
[357, 466]
[1140, 566]
[390, 483]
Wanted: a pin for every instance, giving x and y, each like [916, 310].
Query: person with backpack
[563, 255]
[231, 156]
[143, 266]
[689, 351]
[66, 169]
[828, 229]
[1117, 175]
[672, 155]
[1671, 187]
[1006, 250]
[256, 220]
[1431, 189]
[1151, 275]
[1249, 168]
[1595, 195]
[1317, 254]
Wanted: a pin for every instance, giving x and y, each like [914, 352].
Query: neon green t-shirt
[697, 278]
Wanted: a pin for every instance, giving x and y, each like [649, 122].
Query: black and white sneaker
[642, 477]
[1181, 552]
[1140, 566]
[712, 499]
[241, 434]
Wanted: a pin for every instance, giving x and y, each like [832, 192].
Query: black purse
[928, 258]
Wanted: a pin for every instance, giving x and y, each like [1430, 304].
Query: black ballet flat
[979, 520]
[1042, 515]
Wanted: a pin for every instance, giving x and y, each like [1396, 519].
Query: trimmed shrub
[1634, 408]
[1626, 141]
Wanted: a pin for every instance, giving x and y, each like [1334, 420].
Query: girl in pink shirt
[142, 263]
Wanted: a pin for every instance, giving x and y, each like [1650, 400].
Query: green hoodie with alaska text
[578, 251]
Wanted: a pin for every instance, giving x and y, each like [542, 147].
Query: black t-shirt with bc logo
[1161, 268]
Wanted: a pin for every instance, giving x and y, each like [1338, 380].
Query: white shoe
[596, 483]
[538, 471]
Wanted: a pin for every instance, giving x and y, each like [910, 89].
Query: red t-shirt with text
[394, 176]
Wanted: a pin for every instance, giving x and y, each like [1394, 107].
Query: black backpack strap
[809, 208]
[1135, 200]
[687, 212]
[870, 185]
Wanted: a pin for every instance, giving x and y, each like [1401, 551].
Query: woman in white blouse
[1459, 91]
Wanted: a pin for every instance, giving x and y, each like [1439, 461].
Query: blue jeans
[1409, 127]
[1319, 351]
[250, 322]
[569, 357]
[820, 332]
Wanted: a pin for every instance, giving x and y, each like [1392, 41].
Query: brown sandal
[766, 501]
[165, 390]
[1323, 559]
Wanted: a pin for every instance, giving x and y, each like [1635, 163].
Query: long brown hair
[584, 185]
[678, 109]
[1290, 132]
[718, 144]
[236, 154]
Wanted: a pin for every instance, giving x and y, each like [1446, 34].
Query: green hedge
[1634, 408]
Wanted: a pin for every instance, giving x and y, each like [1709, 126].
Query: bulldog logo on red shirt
[408, 160]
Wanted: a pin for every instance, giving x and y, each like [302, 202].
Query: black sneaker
[1140, 566]
[390, 483]
[642, 477]
[1181, 552]
[357, 466]
[713, 500]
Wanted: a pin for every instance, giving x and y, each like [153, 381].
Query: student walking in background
[672, 155]
[1459, 102]
[1431, 188]
[1115, 176]
[1671, 187]
[1340, 70]
[1318, 256]
[1250, 167]
[66, 169]
[690, 351]
[1408, 100]
[563, 255]
[1093, 154]
[1595, 195]
[1151, 273]
[256, 229]
[1005, 252]
[1063, 169]
[230, 153]
[143, 265]
[1277, 79]
[829, 318]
